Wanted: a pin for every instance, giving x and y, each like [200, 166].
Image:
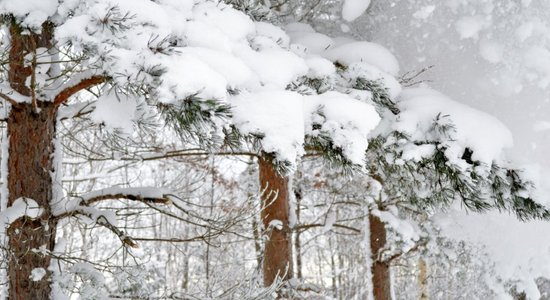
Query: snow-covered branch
[144, 194]
[76, 85]
[22, 207]
[148, 195]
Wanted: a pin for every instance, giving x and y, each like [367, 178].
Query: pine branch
[72, 88]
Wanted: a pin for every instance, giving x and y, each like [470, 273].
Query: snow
[424, 12]
[406, 232]
[519, 251]
[115, 111]
[216, 49]
[142, 192]
[469, 27]
[541, 126]
[275, 224]
[368, 52]
[37, 274]
[276, 115]
[346, 120]
[486, 136]
[314, 42]
[21, 207]
[491, 51]
[537, 58]
[275, 68]
[273, 32]
[79, 203]
[352, 9]
[319, 67]
[33, 12]
[369, 72]
[219, 49]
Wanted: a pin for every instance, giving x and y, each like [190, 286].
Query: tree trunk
[423, 278]
[297, 241]
[275, 212]
[381, 278]
[30, 164]
[31, 131]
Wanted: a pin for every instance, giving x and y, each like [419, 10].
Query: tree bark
[381, 277]
[297, 241]
[277, 261]
[31, 130]
[30, 164]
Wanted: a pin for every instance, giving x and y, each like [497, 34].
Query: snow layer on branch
[202, 50]
[277, 116]
[346, 120]
[372, 73]
[182, 49]
[371, 53]
[76, 203]
[283, 118]
[22, 207]
[482, 133]
[32, 12]
[140, 192]
[342, 50]
[115, 111]
[352, 9]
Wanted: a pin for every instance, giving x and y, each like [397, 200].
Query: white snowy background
[494, 56]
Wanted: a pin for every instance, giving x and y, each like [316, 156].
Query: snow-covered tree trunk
[275, 217]
[381, 278]
[31, 148]
[31, 130]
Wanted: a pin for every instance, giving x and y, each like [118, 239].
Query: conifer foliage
[222, 79]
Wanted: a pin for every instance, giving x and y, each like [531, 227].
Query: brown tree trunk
[275, 207]
[381, 278]
[30, 164]
[31, 130]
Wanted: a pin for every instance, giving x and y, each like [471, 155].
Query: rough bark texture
[31, 131]
[275, 204]
[381, 278]
[29, 175]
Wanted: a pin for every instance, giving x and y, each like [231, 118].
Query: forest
[274, 149]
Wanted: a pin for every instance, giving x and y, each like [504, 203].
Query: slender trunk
[423, 278]
[381, 278]
[256, 234]
[333, 269]
[30, 164]
[297, 242]
[275, 217]
[342, 284]
[256, 230]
